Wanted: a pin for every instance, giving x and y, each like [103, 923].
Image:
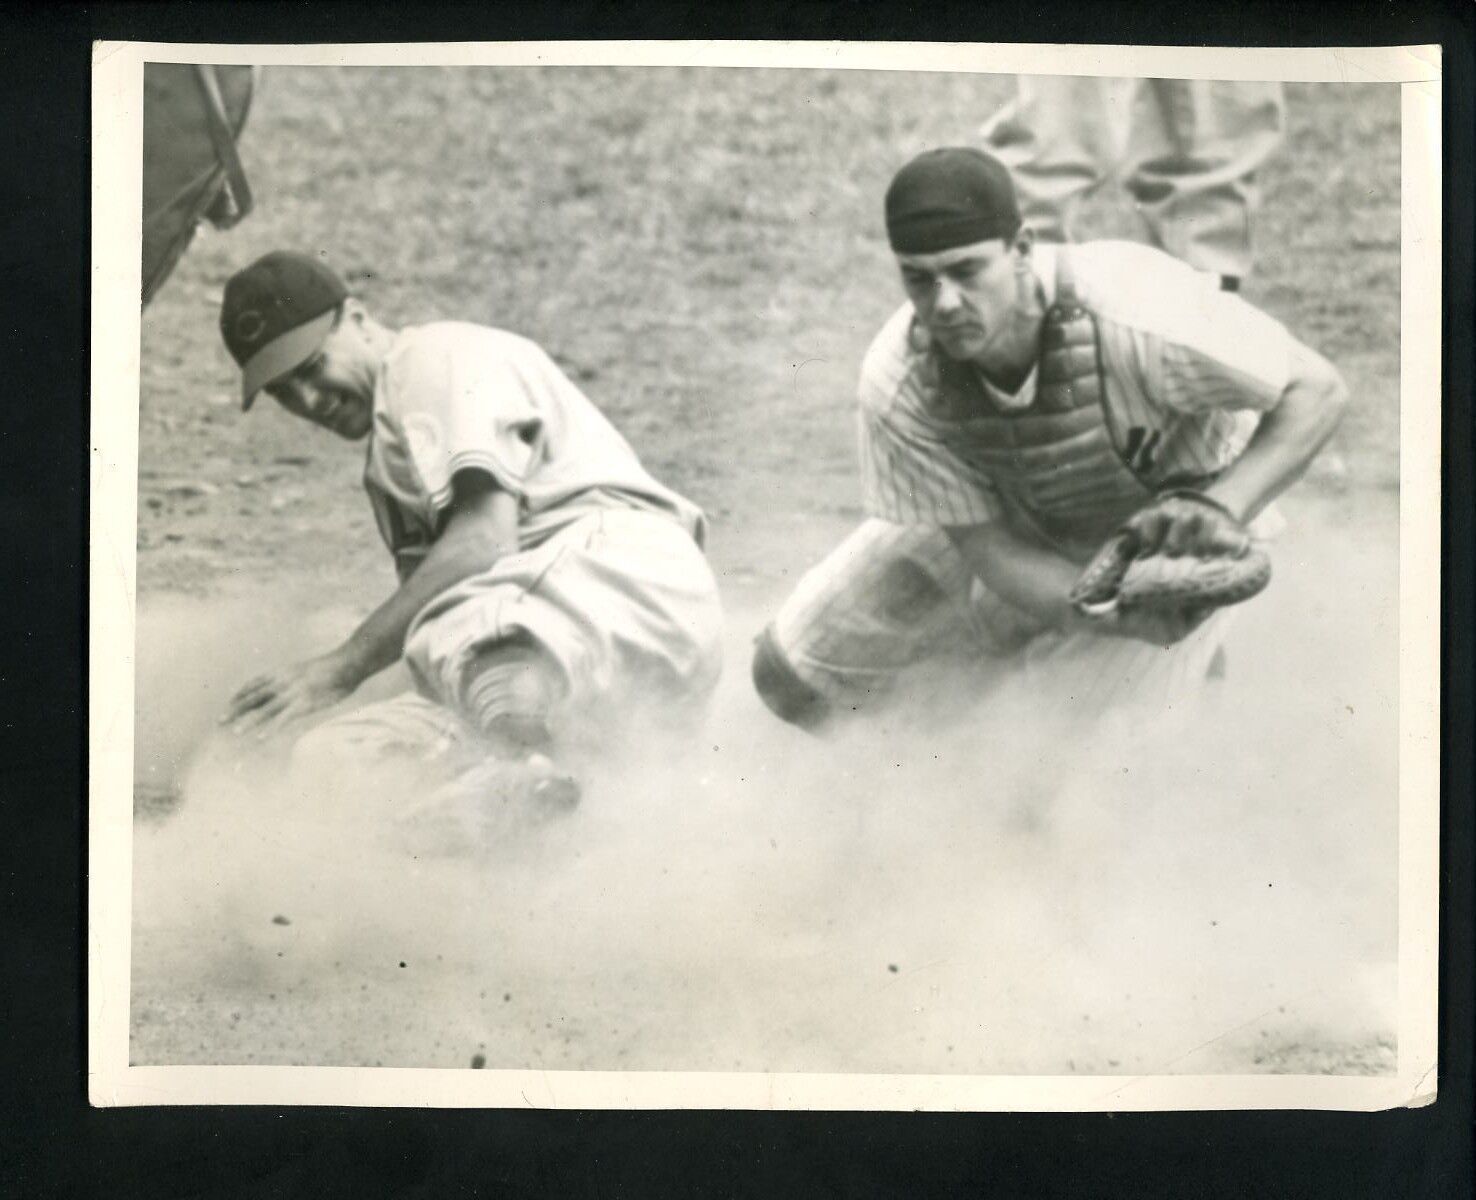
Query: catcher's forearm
[1286, 441]
[1030, 577]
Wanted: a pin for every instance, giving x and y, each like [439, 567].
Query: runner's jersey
[452, 396]
[1187, 368]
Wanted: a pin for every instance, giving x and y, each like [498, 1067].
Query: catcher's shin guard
[787, 696]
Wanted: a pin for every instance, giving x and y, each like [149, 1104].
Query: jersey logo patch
[423, 436]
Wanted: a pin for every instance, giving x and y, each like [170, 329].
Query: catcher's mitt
[1140, 570]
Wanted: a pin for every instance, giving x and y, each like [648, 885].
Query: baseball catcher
[549, 586]
[1069, 456]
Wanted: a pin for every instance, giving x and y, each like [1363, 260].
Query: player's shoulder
[452, 355]
[890, 362]
[1149, 291]
[448, 339]
[1130, 281]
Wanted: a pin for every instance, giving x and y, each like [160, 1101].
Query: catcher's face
[335, 387]
[978, 301]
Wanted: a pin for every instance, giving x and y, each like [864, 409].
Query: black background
[52, 1144]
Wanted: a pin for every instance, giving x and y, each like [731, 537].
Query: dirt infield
[703, 253]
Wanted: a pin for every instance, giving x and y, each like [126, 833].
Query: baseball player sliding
[547, 582]
[1030, 411]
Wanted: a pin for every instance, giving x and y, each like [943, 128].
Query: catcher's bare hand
[1188, 524]
[272, 701]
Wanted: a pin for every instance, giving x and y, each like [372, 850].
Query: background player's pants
[623, 605]
[892, 598]
[1187, 149]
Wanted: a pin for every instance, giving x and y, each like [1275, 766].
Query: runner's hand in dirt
[272, 701]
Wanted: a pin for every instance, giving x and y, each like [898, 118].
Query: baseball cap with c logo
[275, 314]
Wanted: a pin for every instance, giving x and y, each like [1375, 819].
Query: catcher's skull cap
[275, 314]
[950, 197]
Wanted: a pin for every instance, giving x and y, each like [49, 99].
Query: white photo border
[117, 219]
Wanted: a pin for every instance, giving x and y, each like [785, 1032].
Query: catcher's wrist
[1218, 498]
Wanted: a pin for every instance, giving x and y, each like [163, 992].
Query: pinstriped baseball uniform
[609, 578]
[1187, 370]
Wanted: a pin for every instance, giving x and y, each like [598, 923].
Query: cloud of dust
[992, 895]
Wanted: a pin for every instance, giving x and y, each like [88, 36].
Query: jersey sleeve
[909, 474]
[462, 405]
[1218, 354]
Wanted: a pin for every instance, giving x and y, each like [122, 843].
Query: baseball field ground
[702, 251]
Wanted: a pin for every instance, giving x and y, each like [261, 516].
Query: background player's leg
[886, 599]
[1060, 136]
[1193, 152]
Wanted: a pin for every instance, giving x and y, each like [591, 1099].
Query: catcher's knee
[787, 696]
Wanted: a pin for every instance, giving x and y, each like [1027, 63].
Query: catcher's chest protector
[1054, 459]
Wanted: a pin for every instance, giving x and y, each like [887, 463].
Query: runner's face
[335, 387]
[969, 298]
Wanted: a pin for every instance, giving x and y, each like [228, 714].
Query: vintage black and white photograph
[765, 584]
